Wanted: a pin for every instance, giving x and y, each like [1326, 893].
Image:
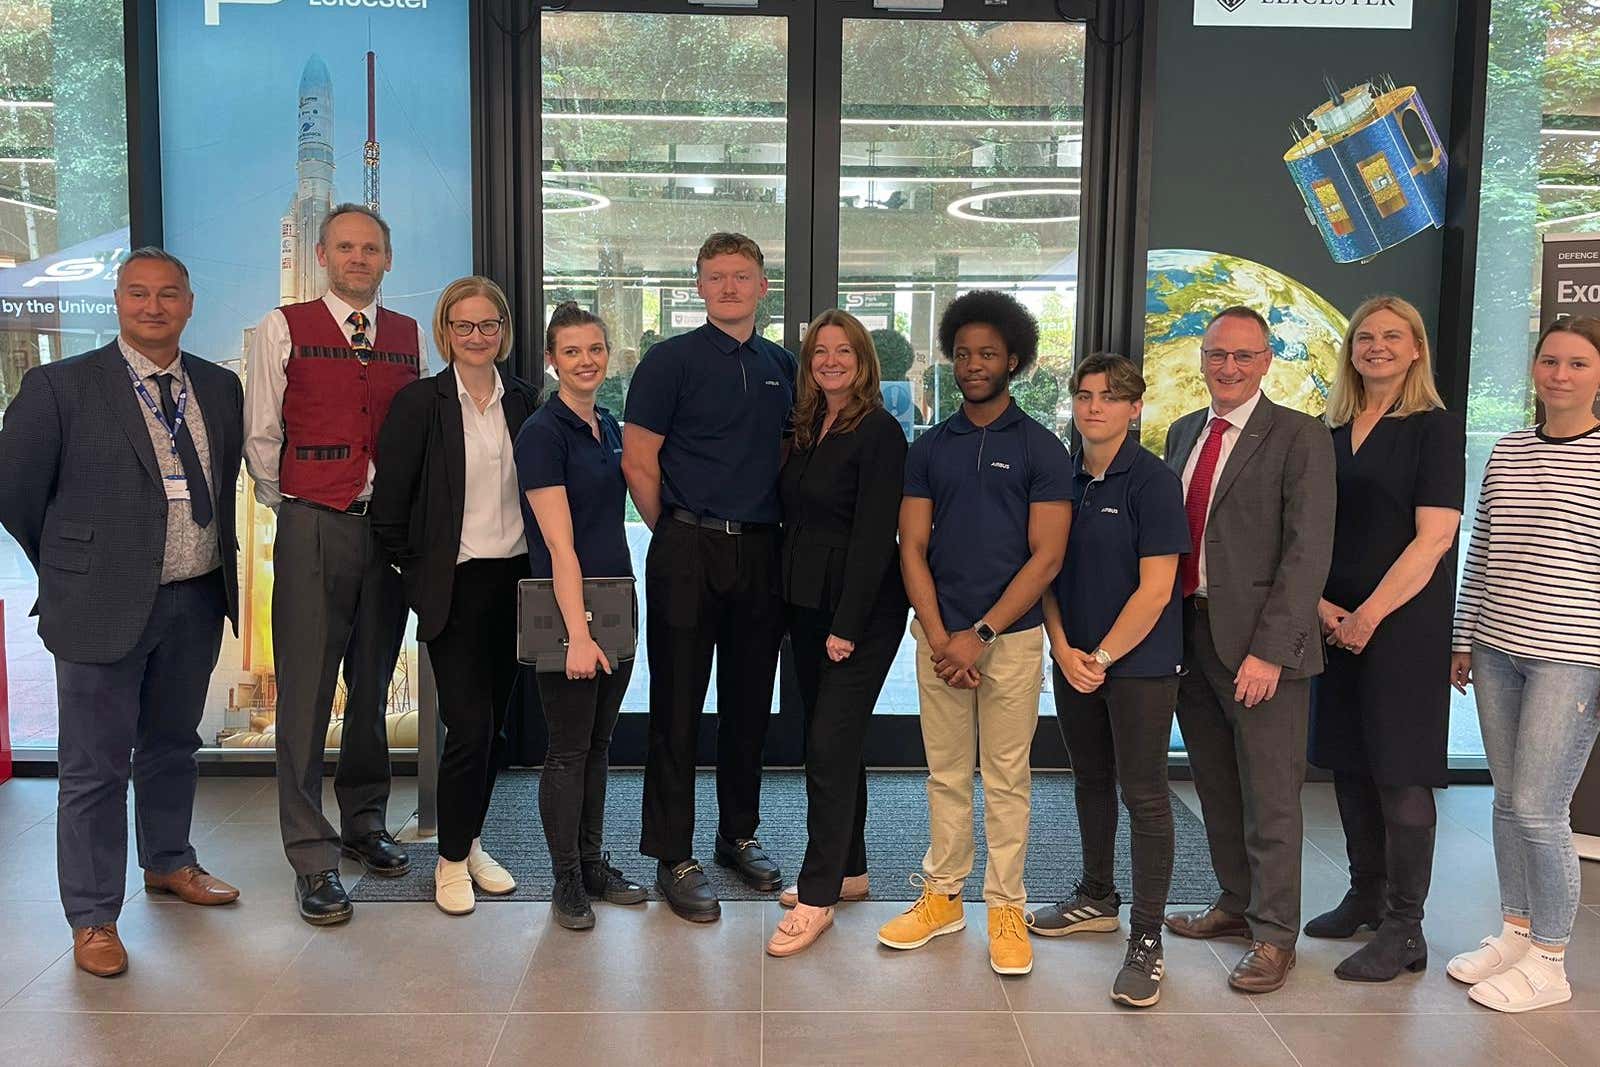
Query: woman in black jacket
[445, 507]
[847, 606]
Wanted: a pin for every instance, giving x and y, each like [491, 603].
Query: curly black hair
[1000, 310]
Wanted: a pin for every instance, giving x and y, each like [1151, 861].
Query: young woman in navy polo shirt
[1114, 618]
[569, 465]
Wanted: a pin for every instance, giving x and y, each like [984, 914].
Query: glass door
[955, 165]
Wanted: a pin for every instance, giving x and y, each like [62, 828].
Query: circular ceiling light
[960, 208]
[587, 201]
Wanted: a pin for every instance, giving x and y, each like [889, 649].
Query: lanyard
[180, 406]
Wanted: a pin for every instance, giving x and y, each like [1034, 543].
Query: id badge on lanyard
[176, 486]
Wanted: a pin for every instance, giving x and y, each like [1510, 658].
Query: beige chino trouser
[993, 726]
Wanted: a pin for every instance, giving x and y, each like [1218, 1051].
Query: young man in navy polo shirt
[1115, 621]
[983, 528]
[707, 418]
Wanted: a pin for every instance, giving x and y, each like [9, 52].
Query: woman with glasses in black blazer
[445, 507]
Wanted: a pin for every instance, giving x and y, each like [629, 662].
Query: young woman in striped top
[1527, 638]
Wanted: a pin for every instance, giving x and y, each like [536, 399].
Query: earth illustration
[1184, 288]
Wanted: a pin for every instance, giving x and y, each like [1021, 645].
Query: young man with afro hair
[983, 529]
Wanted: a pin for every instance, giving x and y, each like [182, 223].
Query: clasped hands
[1349, 630]
[955, 659]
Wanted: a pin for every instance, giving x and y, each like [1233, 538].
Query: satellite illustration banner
[1299, 202]
[1323, 14]
[272, 113]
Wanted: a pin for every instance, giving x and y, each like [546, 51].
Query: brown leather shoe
[1210, 921]
[98, 950]
[1263, 969]
[192, 885]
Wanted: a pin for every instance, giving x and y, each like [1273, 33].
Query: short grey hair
[353, 209]
[159, 255]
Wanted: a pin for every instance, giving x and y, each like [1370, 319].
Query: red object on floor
[5, 704]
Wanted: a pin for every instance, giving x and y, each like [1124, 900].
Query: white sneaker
[1494, 955]
[452, 887]
[1526, 985]
[487, 873]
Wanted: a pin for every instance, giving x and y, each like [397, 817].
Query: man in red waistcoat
[318, 383]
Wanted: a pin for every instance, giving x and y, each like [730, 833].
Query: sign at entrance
[682, 310]
[1319, 14]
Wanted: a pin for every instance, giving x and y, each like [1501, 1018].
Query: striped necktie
[1198, 501]
[358, 338]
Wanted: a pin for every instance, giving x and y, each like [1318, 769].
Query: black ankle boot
[1352, 913]
[1398, 946]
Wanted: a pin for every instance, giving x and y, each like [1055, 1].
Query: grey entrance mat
[897, 836]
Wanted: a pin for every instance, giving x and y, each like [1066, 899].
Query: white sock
[477, 848]
[1554, 962]
[1515, 936]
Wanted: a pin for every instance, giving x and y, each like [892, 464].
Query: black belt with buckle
[727, 526]
[359, 507]
[1199, 601]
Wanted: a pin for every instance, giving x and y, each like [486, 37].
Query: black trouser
[475, 666]
[334, 598]
[837, 701]
[708, 591]
[135, 718]
[1388, 835]
[580, 714]
[1249, 765]
[1120, 734]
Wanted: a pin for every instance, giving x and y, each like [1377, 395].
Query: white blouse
[491, 520]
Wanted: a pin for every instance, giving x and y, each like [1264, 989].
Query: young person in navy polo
[1115, 621]
[574, 507]
[319, 379]
[706, 428]
[983, 528]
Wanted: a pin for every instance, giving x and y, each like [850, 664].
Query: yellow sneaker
[1009, 951]
[933, 914]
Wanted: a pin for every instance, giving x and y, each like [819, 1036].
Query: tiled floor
[403, 983]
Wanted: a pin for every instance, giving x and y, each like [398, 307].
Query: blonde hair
[865, 391]
[1348, 397]
[459, 290]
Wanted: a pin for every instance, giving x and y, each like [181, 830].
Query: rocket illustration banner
[272, 113]
[276, 112]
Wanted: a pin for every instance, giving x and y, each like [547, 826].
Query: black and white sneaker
[604, 882]
[1081, 914]
[1138, 984]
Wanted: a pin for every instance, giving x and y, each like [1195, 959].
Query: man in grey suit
[119, 472]
[1259, 492]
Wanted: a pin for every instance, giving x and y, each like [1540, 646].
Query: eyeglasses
[464, 328]
[1243, 358]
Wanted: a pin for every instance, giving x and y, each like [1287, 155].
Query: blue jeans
[1539, 720]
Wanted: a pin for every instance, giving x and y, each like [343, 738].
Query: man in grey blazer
[119, 472]
[1259, 493]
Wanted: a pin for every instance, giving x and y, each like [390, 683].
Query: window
[63, 231]
[1541, 174]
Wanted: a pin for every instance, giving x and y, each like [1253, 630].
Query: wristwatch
[984, 631]
[1102, 657]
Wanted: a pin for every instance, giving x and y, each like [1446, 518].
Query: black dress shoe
[751, 861]
[604, 882]
[378, 853]
[688, 892]
[323, 900]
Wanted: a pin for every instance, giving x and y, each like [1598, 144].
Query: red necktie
[1198, 500]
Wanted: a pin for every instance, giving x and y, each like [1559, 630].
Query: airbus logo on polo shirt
[777, 383]
[1109, 511]
[1002, 466]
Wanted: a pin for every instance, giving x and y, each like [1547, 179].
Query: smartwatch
[1102, 657]
[984, 631]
